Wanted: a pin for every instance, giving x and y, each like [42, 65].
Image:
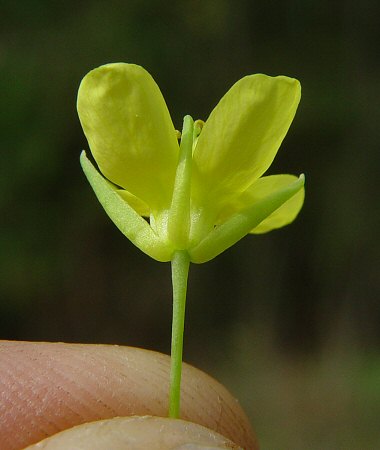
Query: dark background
[289, 321]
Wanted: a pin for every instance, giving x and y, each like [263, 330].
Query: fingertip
[50, 387]
[137, 433]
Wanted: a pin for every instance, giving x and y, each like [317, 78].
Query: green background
[289, 321]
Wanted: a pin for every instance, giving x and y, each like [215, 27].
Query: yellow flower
[187, 202]
[205, 194]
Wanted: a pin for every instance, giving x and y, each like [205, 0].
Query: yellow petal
[129, 130]
[138, 205]
[242, 135]
[286, 213]
[261, 189]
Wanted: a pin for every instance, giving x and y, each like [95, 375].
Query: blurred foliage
[305, 292]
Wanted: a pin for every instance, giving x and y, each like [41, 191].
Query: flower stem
[180, 271]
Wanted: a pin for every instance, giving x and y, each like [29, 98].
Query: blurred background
[288, 321]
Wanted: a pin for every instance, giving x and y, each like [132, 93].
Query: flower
[204, 194]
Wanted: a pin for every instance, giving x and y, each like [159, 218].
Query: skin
[110, 397]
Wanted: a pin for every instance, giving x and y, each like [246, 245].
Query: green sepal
[179, 216]
[129, 222]
[239, 225]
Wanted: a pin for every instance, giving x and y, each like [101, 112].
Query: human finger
[136, 433]
[49, 387]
